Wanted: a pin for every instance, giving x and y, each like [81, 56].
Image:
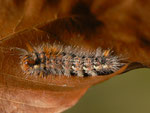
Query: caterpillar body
[55, 59]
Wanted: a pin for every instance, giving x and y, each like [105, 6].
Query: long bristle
[69, 61]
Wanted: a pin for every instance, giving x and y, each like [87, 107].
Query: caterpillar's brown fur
[56, 59]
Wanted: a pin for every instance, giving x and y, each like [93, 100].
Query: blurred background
[126, 93]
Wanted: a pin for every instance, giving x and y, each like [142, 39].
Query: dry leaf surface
[122, 26]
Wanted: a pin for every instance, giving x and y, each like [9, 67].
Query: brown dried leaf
[89, 24]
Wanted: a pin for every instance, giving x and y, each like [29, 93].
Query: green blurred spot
[126, 93]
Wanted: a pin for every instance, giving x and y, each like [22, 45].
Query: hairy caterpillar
[57, 59]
